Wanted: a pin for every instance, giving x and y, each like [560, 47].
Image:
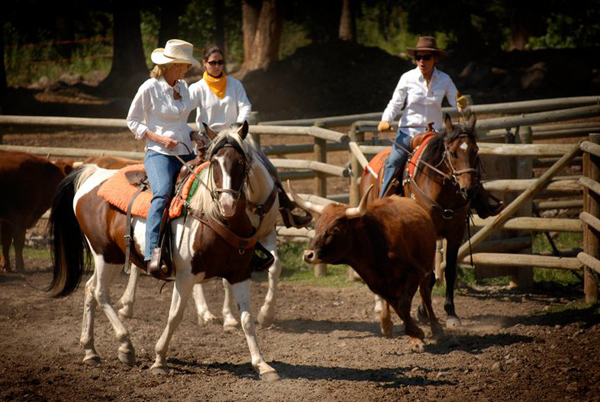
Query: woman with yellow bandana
[221, 99]
[222, 102]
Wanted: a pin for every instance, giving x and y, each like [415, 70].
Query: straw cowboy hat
[176, 51]
[426, 43]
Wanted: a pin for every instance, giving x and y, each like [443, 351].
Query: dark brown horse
[214, 240]
[444, 182]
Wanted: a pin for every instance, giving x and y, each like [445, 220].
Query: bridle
[454, 173]
[236, 194]
[452, 177]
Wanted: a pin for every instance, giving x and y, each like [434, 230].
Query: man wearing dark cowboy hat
[419, 95]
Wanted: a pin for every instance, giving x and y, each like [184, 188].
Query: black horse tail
[70, 251]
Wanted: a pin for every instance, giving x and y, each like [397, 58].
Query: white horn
[361, 210]
[305, 205]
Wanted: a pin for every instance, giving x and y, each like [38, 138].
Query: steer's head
[333, 229]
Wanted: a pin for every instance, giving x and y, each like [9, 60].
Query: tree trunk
[129, 68]
[220, 23]
[519, 36]
[262, 27]
[169, 20]
[347, 30]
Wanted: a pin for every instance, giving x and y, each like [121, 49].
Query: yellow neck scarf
[216, 85]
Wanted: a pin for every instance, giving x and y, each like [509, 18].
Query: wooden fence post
[354, 196]
[254, 119]
[320, 182]
[591, 204]
[524, 170]
[354, 191]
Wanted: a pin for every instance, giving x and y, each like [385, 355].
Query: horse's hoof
[92, 361]
[127, 358]
[417, 345]
[206, 319]
[453, 322]
[270, 376]
[230, 328]
[264, 321]
[438, 334]
[159, 370]
[125, 313]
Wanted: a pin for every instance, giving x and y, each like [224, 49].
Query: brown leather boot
[155, 266]
[286, 206]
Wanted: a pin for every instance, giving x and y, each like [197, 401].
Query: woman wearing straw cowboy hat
[159, 113]
[421, 92]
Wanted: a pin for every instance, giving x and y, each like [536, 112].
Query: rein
[242, 244]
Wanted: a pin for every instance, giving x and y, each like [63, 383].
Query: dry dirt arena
[325, 343]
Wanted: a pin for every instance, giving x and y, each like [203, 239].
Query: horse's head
[461, 155]
[229, 165]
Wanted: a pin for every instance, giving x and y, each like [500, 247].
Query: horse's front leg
[105, 275]
[266, 315]
[452, 319]
[241, 292]
[230, 324]
[204, 314]
[184, 282]
[128, 298]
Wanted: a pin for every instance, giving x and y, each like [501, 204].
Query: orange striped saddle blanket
[378, 162]
[117, 191]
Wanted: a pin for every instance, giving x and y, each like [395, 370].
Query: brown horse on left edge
[27, 185]
[444, 182]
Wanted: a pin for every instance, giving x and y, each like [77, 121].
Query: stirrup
[155, 266]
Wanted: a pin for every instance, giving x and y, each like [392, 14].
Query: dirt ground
[325, 345]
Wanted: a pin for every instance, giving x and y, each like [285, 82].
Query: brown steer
[27, 186]
[390, 244]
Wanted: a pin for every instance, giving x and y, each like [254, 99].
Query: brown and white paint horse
[199, 253]
[444, 185]
[259, 192]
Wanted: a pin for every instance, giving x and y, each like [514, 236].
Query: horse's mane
[202, 198]
[434, 152]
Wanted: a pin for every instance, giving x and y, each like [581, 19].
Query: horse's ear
[243, 130]
[471, 122]
[448, 123]
[211, 134]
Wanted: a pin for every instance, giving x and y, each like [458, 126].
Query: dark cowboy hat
[426, 43]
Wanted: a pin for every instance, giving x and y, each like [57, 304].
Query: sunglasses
[216, 62]
[426, 57]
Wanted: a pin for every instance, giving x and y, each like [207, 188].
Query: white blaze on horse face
[226, 200]
[464, 146]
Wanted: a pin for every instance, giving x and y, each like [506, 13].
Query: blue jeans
[162, 171]
[396, 160]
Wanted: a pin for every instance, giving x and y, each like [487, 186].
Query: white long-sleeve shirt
[220, 114]
[422, 104]
[155, 108]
